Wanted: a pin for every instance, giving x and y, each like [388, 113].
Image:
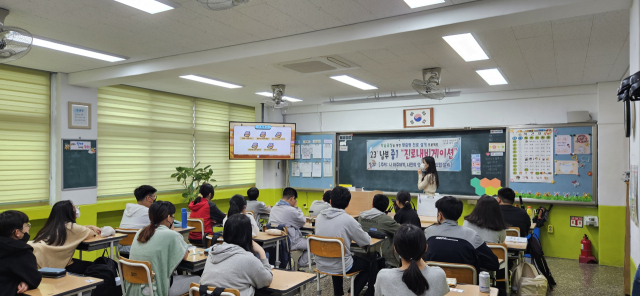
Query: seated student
[18, 266]
[486, 219]
[405, 214]
[414, 277]
[238, 205]
[377, 220]
[203, 207]
[448, 242]
[58, 239]
[286, 212]
[513, 216]
[164, 248]
[318, 206]
[136, 215]
[257, 207]
[233, 264]
[335, 222]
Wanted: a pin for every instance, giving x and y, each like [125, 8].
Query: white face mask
[77, 212]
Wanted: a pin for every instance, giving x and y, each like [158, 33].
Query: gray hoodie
[334, 222]
[230, 266]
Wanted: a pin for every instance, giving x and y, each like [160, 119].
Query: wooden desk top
[197, 257]
[284, 280]
[63, 286]
[533, 226]
[183, 230]
[471, 290]
[516, 246]
[374, 241]
[423, 219]
[99, 239]
[263, 236]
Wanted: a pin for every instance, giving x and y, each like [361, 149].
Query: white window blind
[212, 141]
[143, 135]
[24, 134]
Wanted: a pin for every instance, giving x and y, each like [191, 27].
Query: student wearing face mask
[428, 176]
[451, 243]
[56, 242]
[18, 267]
[136, 215]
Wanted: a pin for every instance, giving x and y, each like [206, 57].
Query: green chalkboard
[79, 164]
[353, 162]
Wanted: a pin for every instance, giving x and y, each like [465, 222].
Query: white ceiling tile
[381, 55]
[600, 60]
[573, 78]
[403, 49]
[420, 59]
[499, 38]
[532, 30]
[611, 23]
[569, 68]
[385, 8]
[510, 56]
[622, 63]
[571, 51]
[572, 30]
[605, 45]
[545, 79]
[539, 57]
[274, 18]
[306, 13]
[597, 73]
[572, 19]
[345, 11]
[542, 43]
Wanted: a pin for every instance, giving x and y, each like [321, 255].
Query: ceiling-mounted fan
[222, 4]
[427, 86]
[14, 42]
[277, 101]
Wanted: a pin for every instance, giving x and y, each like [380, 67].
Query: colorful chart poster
[476, 164]
[582, 144]
[563, 144]
[566, 167]
[532, 155]
[496, 147]
[407, 154]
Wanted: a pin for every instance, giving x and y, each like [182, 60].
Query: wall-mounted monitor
[261, 140]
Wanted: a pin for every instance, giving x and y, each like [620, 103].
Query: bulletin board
[574, 173]
[307, 155]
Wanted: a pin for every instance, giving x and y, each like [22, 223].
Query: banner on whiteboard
[407, 154]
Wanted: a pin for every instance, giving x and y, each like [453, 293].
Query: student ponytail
[236, 205]
[404, 198]
[158, 212]
[410, 243]
[205, 190]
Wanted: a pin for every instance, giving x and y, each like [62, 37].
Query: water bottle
[184, 218]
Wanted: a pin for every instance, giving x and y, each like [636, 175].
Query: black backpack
[105, 269]
[537, 257]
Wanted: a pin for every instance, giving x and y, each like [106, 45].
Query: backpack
[285, 252]
[105, 269]
[537, 258]
[526, 281]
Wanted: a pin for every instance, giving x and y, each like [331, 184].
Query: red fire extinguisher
[585, 253]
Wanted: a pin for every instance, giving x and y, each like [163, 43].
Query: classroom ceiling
[541, 47]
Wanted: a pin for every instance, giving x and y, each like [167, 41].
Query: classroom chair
[128, 240]
[198, 223]
[500, 250]
[136, 272]
[513, 231]
[463, 273]
[331, 247]
[194, 290]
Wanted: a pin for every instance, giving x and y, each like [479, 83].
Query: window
[25, 98]
[212, 141]
[143, 135]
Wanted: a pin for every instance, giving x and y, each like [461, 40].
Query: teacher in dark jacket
[18, 267]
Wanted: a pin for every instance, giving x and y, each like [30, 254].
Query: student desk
[516, 246]
[66, 285]
[98, 242]
[471, 290]
[194, 261]
[375, 242]
[267, 239]
[287, 282]
[425, 221]
[183, 230]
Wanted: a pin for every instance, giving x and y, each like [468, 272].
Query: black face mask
[26, 237]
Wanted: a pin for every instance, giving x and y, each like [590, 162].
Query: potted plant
[192, 178]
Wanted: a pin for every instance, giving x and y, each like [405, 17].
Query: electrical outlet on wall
[550, 229]
[305, 206]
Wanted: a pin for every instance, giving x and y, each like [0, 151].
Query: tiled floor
[573, 279]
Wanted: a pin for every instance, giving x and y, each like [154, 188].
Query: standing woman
[203, 207]
[238, 205]
[428, 176]
[56, 242]
[164, 248]
[415, 277]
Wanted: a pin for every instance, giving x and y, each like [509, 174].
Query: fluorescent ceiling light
[150, 6]
[492, 76]
[421, 3]
[268, 94]
[210, 81]
[466, 46]
[55, 45]
[353, 82]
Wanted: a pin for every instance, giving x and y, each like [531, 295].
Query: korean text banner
[407, 154]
